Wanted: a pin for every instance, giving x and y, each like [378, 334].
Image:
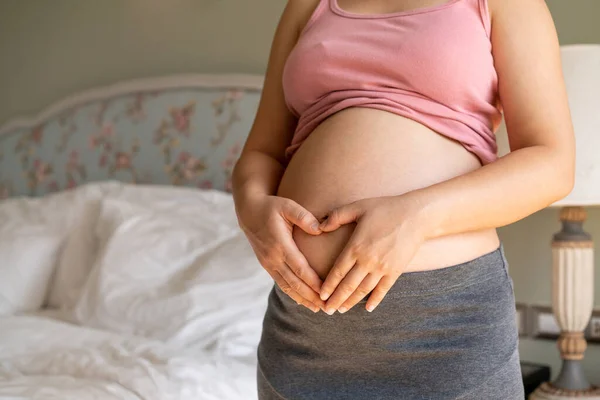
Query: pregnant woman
[370, 189]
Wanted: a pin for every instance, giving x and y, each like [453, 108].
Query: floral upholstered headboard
[178, 130]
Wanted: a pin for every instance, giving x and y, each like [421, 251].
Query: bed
[123, 272]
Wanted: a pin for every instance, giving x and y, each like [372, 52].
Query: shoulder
[521, 25]
[502, 11]
[300, 11]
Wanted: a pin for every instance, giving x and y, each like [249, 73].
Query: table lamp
[572, 247]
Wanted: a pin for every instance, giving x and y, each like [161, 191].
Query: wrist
[421, 209]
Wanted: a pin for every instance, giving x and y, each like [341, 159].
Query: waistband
[491, 265]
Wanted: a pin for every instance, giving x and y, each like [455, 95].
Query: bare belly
[362, 153]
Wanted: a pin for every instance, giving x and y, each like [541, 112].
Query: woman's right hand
[268, 222]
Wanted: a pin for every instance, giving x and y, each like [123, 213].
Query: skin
[386, 232]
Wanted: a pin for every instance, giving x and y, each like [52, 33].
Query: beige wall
[52, 48]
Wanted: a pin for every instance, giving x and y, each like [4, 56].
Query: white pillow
[77, 257]
[52, 215]
[179, 200]
[178, 274]
[74, 212]
[28, 253]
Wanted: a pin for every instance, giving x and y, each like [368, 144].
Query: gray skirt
[444, 334]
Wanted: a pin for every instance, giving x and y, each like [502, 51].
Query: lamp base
[548, 392]
[572, 304]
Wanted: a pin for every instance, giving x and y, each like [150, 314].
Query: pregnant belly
[361, 153]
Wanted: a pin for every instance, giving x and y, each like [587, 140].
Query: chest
[367, 7]
[430, 56]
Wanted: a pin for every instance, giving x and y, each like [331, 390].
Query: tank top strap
[316, 14]
[481, 8]
[484, 12]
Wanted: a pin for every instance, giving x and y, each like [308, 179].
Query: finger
[343, 264]
[300, 287]
[362, 291]
[299, 265]
[346, 288]
[384, 286]
[288, 290]
[341, 216]
[301, 217]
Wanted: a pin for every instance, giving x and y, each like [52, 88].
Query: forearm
[255, 173]
[498, 194]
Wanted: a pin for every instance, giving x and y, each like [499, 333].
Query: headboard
[177, 130]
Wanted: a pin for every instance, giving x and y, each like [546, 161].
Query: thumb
[302, 218]
[341, 216]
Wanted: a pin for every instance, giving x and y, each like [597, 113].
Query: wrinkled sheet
[44, 358]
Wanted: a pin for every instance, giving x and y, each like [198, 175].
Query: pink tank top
[433, 65]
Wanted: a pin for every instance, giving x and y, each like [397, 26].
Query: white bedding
[43, 358]
[156, 295]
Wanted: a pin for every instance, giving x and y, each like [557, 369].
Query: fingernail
[315, 309]
[315, 227]
[342, 309]
[370, 308]
[329, 311]
[324, 296]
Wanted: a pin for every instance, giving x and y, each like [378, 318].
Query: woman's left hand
[386, 238]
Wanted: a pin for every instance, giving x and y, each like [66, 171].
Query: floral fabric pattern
[189, 137]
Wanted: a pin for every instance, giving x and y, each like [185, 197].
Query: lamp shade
[581, 69]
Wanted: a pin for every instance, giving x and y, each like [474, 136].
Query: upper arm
[532, 91]
[274, 124]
